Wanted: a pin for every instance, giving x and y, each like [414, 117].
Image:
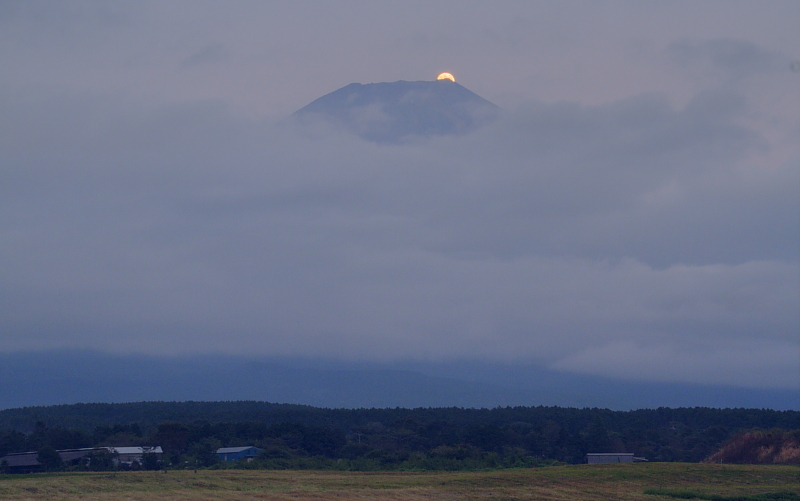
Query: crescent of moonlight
[446, 76]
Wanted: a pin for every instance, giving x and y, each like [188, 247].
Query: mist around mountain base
[62, 377]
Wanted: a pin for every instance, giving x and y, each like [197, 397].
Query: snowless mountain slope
[398, 111]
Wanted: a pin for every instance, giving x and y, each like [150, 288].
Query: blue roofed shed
[237, 453]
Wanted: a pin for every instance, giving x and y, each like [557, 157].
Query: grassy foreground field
[574, 483]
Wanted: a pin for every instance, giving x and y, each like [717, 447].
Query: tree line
[293, 436]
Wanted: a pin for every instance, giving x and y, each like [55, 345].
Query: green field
[655, 481]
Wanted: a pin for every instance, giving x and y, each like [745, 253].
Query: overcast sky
[633, 213]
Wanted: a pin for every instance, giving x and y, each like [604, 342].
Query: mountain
[63, 377]
[399, 111]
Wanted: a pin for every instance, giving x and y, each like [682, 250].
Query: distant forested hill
[86, 417]
[395, 435]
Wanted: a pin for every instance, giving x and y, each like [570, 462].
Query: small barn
[21, 462]
[612, 457]
[237, 453]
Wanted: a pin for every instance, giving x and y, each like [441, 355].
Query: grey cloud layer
[637, 218]
[626, 239]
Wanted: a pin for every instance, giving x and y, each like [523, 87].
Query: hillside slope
[760, 447]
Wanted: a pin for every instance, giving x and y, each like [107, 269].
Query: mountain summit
[397, 111]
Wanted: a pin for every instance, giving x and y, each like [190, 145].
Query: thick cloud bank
[632, 239]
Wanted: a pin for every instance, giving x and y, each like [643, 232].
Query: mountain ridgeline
[397, 112]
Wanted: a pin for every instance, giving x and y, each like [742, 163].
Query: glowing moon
[446, 76]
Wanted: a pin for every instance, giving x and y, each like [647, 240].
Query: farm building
[21, 462]
[28, 462]
[236, 453]
[129, 455]
[612, 457]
